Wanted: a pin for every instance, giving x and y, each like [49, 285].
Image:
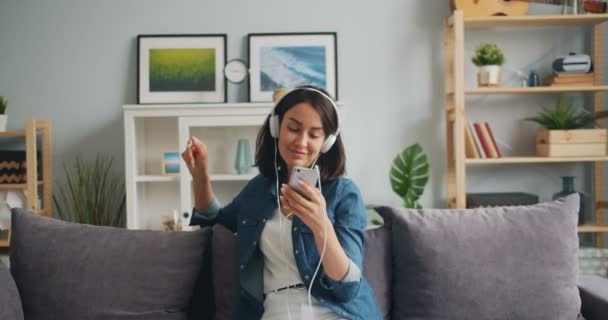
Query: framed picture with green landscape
[181, 68]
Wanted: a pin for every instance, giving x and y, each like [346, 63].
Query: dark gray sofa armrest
[10, 301]
[594, 296]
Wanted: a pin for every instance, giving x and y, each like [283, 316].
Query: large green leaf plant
[409, 175]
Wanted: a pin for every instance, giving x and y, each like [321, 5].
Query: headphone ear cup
[273, 126]
[329, 142]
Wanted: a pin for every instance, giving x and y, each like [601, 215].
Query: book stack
[480, 141]
[570, 79]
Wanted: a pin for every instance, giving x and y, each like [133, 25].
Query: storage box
[571, 143]
[495, 199]
[13, 166]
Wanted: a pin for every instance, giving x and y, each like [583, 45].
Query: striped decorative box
[12, 166]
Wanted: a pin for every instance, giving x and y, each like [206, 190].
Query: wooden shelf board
[535, 20]
[543, 89]
[4, 243]
[506, 160]
[16, 186]
[12, 134]
[592, 228]
[13, 186]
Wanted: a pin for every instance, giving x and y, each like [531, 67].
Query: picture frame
[170, 163]
[288, 60]
[181, 68]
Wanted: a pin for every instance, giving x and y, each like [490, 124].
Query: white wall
[74, 62]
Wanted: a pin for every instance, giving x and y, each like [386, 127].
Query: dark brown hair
[331, 164]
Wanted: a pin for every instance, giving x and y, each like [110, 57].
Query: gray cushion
[10, 302]
[377, 266]
[492, 263]
[223, 270]
[72, 271]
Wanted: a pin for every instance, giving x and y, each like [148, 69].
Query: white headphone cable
[280, 213]
[313, 165]
[322, 252]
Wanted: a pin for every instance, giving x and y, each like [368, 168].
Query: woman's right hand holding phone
[195, 157]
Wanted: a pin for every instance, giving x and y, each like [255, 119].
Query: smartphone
[309, 176]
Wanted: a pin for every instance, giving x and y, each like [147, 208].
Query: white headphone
[274, 125]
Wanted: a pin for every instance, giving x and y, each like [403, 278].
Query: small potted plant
[488, 57]
[568, 132]
[4, 233]
[3, 115]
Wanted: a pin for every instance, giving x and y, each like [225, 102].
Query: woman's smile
[298, 154]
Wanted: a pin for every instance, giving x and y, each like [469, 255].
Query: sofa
[493, 263]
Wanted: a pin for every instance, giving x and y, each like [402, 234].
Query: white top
[280, 269]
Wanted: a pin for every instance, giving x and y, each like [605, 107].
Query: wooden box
[571, 143]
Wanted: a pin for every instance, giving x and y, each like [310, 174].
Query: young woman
[301, 242]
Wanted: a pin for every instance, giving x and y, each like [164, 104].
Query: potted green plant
[568, 131]
[4, 233]
[409, 175]
[3, 115]
[489, 58]
[92, 193]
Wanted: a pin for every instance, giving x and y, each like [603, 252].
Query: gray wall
[74, 62]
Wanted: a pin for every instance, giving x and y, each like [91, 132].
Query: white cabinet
[151, 130]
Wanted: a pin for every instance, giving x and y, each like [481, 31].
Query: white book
[482, 154]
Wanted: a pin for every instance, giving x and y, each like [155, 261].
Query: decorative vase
[567, 189]
[488, 76]
[243, 157]
[3, 120]
[533, 79]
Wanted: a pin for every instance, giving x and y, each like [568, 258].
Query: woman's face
[301, 136]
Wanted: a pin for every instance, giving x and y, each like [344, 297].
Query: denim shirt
[247, 214]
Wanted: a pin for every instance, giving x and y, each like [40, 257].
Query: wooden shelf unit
[457, 163]
[35, 128]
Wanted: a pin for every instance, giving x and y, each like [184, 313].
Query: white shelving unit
[151, 130]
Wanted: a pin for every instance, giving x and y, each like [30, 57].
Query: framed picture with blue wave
[170, 163]
[181, 68]
[287, 60]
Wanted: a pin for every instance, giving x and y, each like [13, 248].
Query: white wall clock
[236, 70]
